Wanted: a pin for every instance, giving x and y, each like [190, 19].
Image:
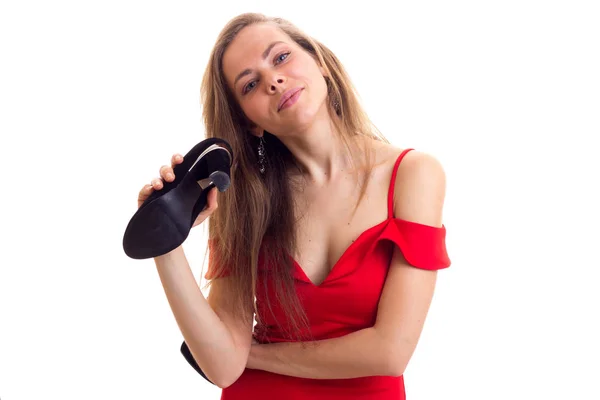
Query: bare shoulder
[420, 166]
[420, 184]
[420, 189]
[383, 154]
[414, 162]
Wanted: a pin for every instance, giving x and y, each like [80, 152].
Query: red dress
[345, 302]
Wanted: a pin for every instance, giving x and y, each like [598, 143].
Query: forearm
[355, 355]
[207, 337]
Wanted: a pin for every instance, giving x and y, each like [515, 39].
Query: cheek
[318, 86]
[315, 79]
[256, 108]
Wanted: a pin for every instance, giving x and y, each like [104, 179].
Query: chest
[328, 224]
[346, 302]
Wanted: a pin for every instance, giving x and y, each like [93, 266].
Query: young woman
[329, 236]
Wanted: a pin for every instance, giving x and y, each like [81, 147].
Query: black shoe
[190, 359]
[164, 220]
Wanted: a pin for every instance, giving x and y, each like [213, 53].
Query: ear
[323, 72]
[257, 131]
[253, 129]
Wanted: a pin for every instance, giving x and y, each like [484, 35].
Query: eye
[248, 87]
[278, 60]
[283, 54]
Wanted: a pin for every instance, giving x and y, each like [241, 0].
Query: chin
[301, 116]
[308, 114]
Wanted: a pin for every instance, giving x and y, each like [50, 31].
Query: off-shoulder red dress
[345, 302]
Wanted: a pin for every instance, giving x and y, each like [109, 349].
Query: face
[261, 64]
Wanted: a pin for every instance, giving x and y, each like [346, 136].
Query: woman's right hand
[166, 173]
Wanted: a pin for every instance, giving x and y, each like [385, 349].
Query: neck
[319, 150]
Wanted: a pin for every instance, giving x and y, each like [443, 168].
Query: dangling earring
[261, 155]
[336, 106]
[335, 102]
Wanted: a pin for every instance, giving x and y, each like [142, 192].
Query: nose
[274, 83]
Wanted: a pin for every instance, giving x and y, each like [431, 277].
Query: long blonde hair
[256, 213]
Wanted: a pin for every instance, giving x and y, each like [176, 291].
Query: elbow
[396, 368]
[232, 376]
[396, 363]
[219, 375]
[226, 382]
[223, 384]
[397, 354]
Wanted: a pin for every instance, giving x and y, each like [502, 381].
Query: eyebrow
[265, 54]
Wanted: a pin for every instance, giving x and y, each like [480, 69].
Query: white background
[96, 96]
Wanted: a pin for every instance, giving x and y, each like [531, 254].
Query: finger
[176, 159]
[211, 199]
[166, 173]
[145, 192]
[157, 183]
[211, 204]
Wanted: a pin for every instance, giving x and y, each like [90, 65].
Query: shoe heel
[221, 180]
[214, 161]
[217, 164]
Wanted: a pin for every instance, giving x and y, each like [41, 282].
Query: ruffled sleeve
[423, 246]
[214, 264]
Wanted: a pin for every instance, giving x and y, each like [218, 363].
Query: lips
[286, 96]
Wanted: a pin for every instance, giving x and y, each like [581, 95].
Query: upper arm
[240, 329]
[420, 189]
[419, 194]
[221, 299]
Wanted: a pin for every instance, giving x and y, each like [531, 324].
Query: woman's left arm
[360, 353]
[386, 348]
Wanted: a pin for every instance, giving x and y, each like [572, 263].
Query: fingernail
[170, 175]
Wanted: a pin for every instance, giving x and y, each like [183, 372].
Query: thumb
[211, 199]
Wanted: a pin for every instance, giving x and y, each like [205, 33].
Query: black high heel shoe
[187, 354]
[164, 220]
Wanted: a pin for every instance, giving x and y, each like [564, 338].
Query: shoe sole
[164, 221]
